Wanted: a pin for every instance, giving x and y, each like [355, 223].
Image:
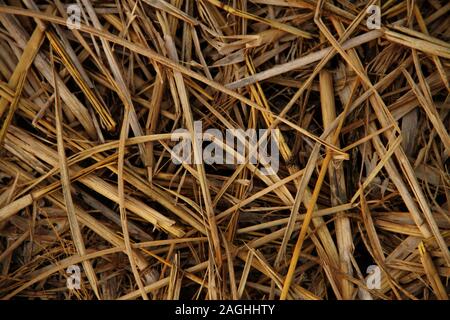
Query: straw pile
[87, 117]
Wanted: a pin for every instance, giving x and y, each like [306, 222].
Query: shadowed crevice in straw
[351, 202]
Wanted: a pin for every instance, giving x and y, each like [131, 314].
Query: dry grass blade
[66, 188]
